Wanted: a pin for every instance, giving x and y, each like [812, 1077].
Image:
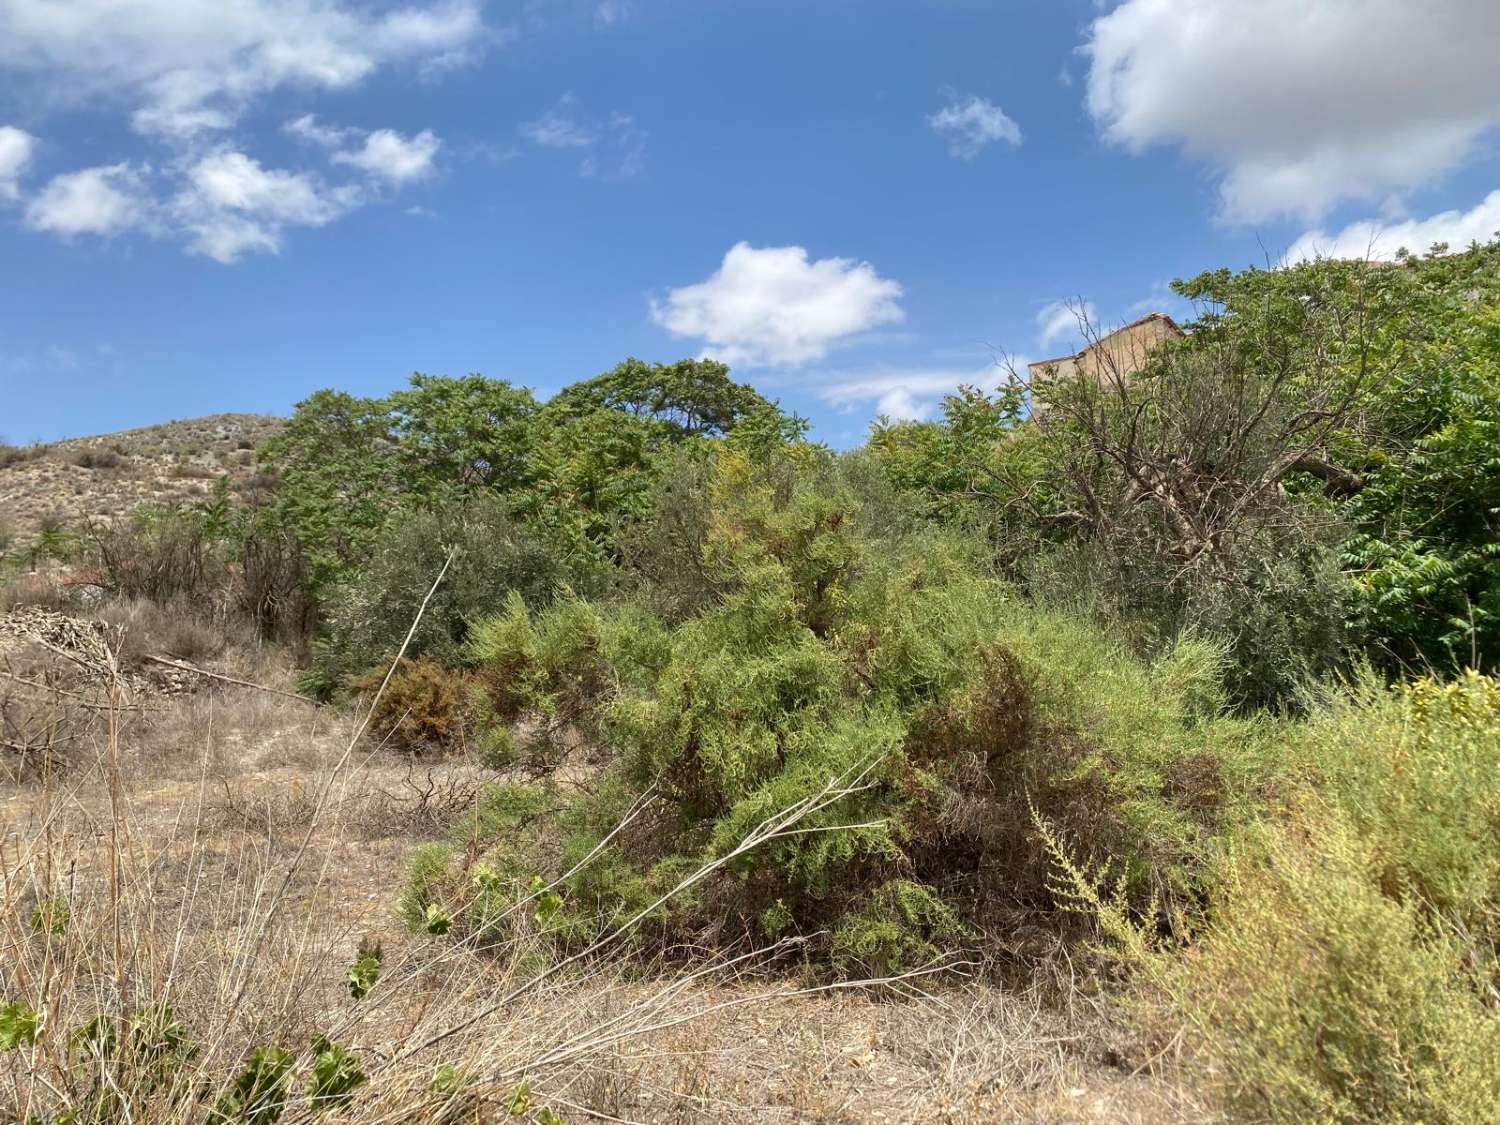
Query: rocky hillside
[108, 475]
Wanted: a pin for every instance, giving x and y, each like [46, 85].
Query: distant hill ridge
[106, 476]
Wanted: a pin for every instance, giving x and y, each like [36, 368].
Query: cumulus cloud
[1378, 240]
[16, 148]
[231, 205]
[222, 205]
[971, 124]
[189, 66]
[390, 156]
[610, 148]
[383, 153]
[104, 200]
[1295, 105]
[772, 306]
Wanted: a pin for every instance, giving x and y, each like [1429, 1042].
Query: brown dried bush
[425, 707]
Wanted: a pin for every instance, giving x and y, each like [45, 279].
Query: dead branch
[183, 666]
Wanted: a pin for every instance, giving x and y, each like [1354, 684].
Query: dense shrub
[163, 555]
[368, 612]
[1279, 609]
[19, 454]
[1347, 968]
[923, 698]
[96, 458]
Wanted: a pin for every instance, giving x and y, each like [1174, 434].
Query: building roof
[1161, 316]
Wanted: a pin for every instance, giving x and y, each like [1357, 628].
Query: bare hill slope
[108, 475]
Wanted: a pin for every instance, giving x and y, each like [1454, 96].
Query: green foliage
[429, 864]
[1425, 512]
[365, 971]
[368, 612]
[350, 468]
[158, 1046]
[931, 701]
[548, 902]
[52, 542]
[338, 478]
[1344, 967]
[51, 916]
[19, 1022]
[965, 464]
[336, 1075]
[1427, 547]
[520, 1100]
[258, 1094]
[454, 1089]
[902, 926]
[690, 398]
[1313, 468]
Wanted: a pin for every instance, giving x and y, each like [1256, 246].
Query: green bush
[929, 704]
[1328, 999]
[1346, 965]
[367, 613]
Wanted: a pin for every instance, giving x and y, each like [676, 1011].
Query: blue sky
[223, 205]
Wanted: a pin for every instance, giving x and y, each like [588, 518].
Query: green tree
[340, 477]
[689, 398]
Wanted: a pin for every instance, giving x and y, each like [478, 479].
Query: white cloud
[16, 148]
[392, 157]
[561, 127]
[1381, 240]
[224, 204]
[309, 128]
[1296, 105]
[772, 306]
[189, 66]
[383, 153]
[972, 124]
[232, 206]
[104, 200]
[1059, 321]
[905, 396]
[612, 148]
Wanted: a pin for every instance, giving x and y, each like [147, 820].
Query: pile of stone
[81, 648]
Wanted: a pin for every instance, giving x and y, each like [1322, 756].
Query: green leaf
[18, 1025]
[258, 1095]
[548, 903]
[438, 920]
[336, 1075]
[362, 976]
[520, 1101]
[51, 916]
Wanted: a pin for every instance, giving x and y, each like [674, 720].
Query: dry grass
[229, 855]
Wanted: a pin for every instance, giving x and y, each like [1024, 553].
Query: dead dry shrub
[424, 707]
[20, 454]
[179, 629]
[41, 590]
[96, 458]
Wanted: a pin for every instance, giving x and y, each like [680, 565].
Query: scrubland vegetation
[1142, 725]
